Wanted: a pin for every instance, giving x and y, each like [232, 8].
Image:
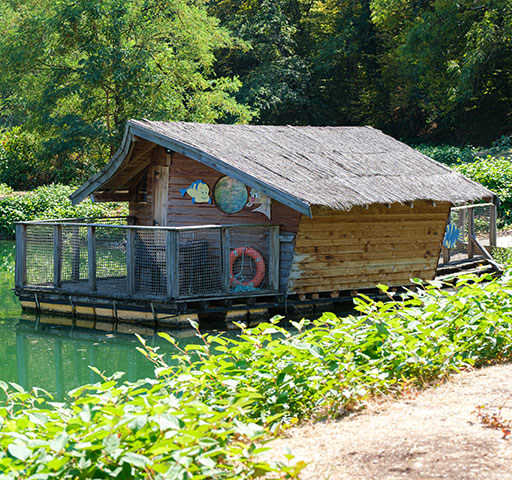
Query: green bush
[447, 154]
[26, 161]
[495, 174]
[205, 416]
[5, 189]
[46, 202]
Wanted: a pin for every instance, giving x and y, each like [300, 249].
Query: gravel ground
[435, 434]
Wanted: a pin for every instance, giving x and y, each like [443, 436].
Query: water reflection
[58, 358]
[38, 352]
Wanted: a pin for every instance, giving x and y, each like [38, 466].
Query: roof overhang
[122, 157]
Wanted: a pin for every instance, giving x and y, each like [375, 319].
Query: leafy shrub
[502, 255]
[201, 417]
[495, 174]
[46, 202]
[27, 162]
[447, 154]
[19, 166]
[5, 189]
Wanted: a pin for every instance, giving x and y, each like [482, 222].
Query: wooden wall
[182, 212]
[360, 248]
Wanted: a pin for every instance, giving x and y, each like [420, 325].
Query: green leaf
[19, 450]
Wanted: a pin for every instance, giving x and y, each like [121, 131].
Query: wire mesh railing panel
[250, 257]
[200, 262]
[150, 262]
[475, 219]
[482, 224]
[111, 259]
[39, 254]
[74, 255]
[456, 235]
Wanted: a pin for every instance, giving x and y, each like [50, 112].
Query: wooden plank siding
[183, 171]
[338, 250]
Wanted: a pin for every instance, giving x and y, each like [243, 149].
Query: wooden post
[91, 257]
[446, 255]
[493, 226]
[471, 232]
[225, 253]
[57, 256]
[161, 161]
[130, 260]
[273, 267]
[75, 253]
[172, 262]
[21, 256]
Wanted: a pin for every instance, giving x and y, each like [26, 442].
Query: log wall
[363, 247]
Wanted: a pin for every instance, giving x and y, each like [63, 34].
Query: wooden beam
[273, 267]
[108, 196]
[132, 172]
[57, 256]
[226, 266]
[91, 257]
[130, 260]
[21, 256]
[493, 228]
[172, 264]
[471, 231]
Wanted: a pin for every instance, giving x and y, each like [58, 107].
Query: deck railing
[131, 261]
[471, 231]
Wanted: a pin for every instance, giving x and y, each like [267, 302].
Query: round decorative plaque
[230, 195]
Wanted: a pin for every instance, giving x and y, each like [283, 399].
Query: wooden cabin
[225, 217]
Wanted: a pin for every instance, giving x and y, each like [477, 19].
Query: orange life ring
[258, 259]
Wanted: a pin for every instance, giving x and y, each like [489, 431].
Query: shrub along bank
[208, 416]
[50, 201]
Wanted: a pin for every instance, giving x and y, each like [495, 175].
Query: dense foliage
[496, 175]
[72, 73]
[48, 202]
[204, 416]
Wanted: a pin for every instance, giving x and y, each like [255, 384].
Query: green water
[36, 354]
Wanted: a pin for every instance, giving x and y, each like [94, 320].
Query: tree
[74, 71]
[451, 66]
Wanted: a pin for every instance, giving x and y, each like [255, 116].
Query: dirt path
[434, 435]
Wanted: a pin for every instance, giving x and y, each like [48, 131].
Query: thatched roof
[335, 167]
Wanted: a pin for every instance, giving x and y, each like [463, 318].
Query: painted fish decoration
[452, 236]
[257, 197]
[199, 191]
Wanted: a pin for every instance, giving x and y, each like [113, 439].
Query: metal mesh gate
[200, 262]
[39, 255]
[73, 254]
[249, 258]
[466, 222]
[150, 262]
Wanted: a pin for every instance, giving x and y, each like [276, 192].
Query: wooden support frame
[172, 263]
[130, 261]
[225, 252]
[273, 267]
[20, 273]
[471, 232]
[493, 226]
[91, 257]
[485, 253]
[57, 256]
